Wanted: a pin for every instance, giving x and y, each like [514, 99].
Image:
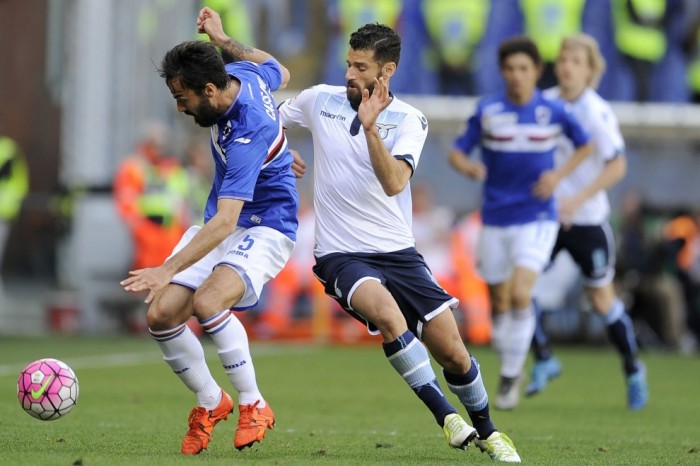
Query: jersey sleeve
[269, 71]
[605, 133]
[573, 129]
[411, 137]
[297, 110]
[471, 136]
[245, 156]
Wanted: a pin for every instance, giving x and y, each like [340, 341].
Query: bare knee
[207, 304]
[160, 317]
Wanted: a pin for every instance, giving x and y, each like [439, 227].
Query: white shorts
[257, 254]
[501, 249]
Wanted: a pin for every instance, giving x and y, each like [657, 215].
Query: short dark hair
[194, 64]
[383, 40]
[519, 44]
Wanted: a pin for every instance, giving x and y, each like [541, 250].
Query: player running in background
[584, 210]
[367, 144]
[517, 131]
[248, 234]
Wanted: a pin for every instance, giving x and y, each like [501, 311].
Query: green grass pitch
[341, 406]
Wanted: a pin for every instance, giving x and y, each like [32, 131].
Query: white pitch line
[142, 358]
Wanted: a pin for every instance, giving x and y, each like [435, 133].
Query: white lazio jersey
[597, 117]
[353, 214]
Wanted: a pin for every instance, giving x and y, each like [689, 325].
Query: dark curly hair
[384, 41]
[194, 64]
[519, 44]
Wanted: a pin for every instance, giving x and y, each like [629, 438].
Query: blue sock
[470, 390]
[621, 334]
[410, 359]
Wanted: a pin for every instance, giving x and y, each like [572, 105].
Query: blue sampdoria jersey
[517, 145]
[251, 156]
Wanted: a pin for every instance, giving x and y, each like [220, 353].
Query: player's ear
[209, 90]
[388, 69]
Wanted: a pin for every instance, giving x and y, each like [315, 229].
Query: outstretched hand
[152, 279]
[372, 105]
[209, 22]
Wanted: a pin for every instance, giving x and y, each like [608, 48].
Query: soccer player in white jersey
[584, 209]
[367, 144]
[248, 234]
[517, 131]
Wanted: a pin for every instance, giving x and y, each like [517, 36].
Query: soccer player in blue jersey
[517, 131]
[584, 210]
[248, 235]
[367, 144]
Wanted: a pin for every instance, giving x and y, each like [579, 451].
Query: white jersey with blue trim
[353, 214]
[252, 162]
[597, 117]
[517, 145]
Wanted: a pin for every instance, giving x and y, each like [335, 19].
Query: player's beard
[354, 94]
[206, 115]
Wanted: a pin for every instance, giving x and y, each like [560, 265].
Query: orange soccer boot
[253, 424]
[202, 422]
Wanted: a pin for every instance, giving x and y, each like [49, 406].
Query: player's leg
[357, 285]
[530, 247]
[595, 254]
[621, 333]
[547, 366]
[182, 350]
[430, 314]
[237, 281]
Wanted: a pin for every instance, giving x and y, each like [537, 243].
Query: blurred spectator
[440, 46]
[649, 36]
[432, 228]
[14, 184]
[547, 22]
[345, 17]
[150, 190]
[691, 47]
[655, 298]
[682, 234]
[199, 167]
[472, 290]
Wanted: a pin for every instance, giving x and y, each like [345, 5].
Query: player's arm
[468, 167]
[220, 226]
[209, 22]
[458, 156]
[393, 174]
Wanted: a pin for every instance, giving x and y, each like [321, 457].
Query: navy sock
[470, 390]
[540, 342]
[410, 359]
[621, 334]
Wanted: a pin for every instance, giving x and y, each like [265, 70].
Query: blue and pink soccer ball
[47, 389]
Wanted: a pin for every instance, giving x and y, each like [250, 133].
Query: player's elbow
[393, 188]
[285, 77]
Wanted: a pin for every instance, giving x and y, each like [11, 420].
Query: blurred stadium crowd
[652, 49]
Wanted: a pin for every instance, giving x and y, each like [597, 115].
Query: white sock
[184, 354]
[517, 343]
[231, 339]
[499, 332]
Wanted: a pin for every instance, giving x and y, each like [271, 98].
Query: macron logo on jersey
[242, 140]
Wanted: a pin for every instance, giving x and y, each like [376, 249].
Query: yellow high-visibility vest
[14, 179]
[547, 22]
[640, 35]
[456, 27]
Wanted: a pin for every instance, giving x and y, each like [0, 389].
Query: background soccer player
[584, 210]
[517, 131]
[367, 144]
[248, 235]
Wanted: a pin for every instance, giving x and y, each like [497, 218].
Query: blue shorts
[592, 247]
[404, 274]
